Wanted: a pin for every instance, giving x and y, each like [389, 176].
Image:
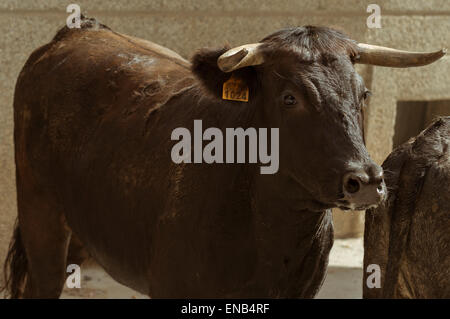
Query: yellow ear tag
[235, 89]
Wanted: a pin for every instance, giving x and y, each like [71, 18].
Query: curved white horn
[239, 57]
[383, 56]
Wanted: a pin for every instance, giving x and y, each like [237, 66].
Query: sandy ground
[345, 270]
[344, 278]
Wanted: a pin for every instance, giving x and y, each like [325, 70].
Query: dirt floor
[344, 279]
[345, 270]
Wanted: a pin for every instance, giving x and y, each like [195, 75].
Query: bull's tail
[15, 268]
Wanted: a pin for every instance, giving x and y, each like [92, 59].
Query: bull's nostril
[352, 185]
[380, 190]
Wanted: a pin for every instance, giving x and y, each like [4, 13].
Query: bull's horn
[382, 56]
[240, 57]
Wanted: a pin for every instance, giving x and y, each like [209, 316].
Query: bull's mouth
[363, 200]
[369, 200]
[346, 205]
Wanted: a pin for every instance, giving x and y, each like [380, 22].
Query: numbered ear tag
[235, 89]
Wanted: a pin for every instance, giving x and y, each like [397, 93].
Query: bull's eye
[289, 100]
[366, 94]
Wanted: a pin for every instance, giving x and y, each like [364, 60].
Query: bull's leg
[45, 238]
[77, 254]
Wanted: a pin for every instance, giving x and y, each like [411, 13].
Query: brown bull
[94, 113]
[409, 237]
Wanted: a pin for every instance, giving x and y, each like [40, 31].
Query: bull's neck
[270, 188]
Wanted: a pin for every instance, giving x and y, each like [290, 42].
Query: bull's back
[408, 237]
[87, 108]
[87, 78]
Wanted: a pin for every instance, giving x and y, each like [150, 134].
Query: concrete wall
[185, 25]
[413, 117]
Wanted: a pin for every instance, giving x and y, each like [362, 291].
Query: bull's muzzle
[363, 188]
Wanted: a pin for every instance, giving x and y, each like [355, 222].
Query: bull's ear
[204, 66]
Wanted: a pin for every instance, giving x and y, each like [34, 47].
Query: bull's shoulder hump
[157, 49]
[92, 32]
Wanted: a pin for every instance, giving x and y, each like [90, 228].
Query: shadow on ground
[342, 283]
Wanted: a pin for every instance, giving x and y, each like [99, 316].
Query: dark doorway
[414, 116]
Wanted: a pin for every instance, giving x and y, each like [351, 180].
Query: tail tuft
[15, 267]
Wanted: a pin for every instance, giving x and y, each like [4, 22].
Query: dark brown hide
[94, 112]
[409, 237]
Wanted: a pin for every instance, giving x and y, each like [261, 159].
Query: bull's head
[304, 82]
